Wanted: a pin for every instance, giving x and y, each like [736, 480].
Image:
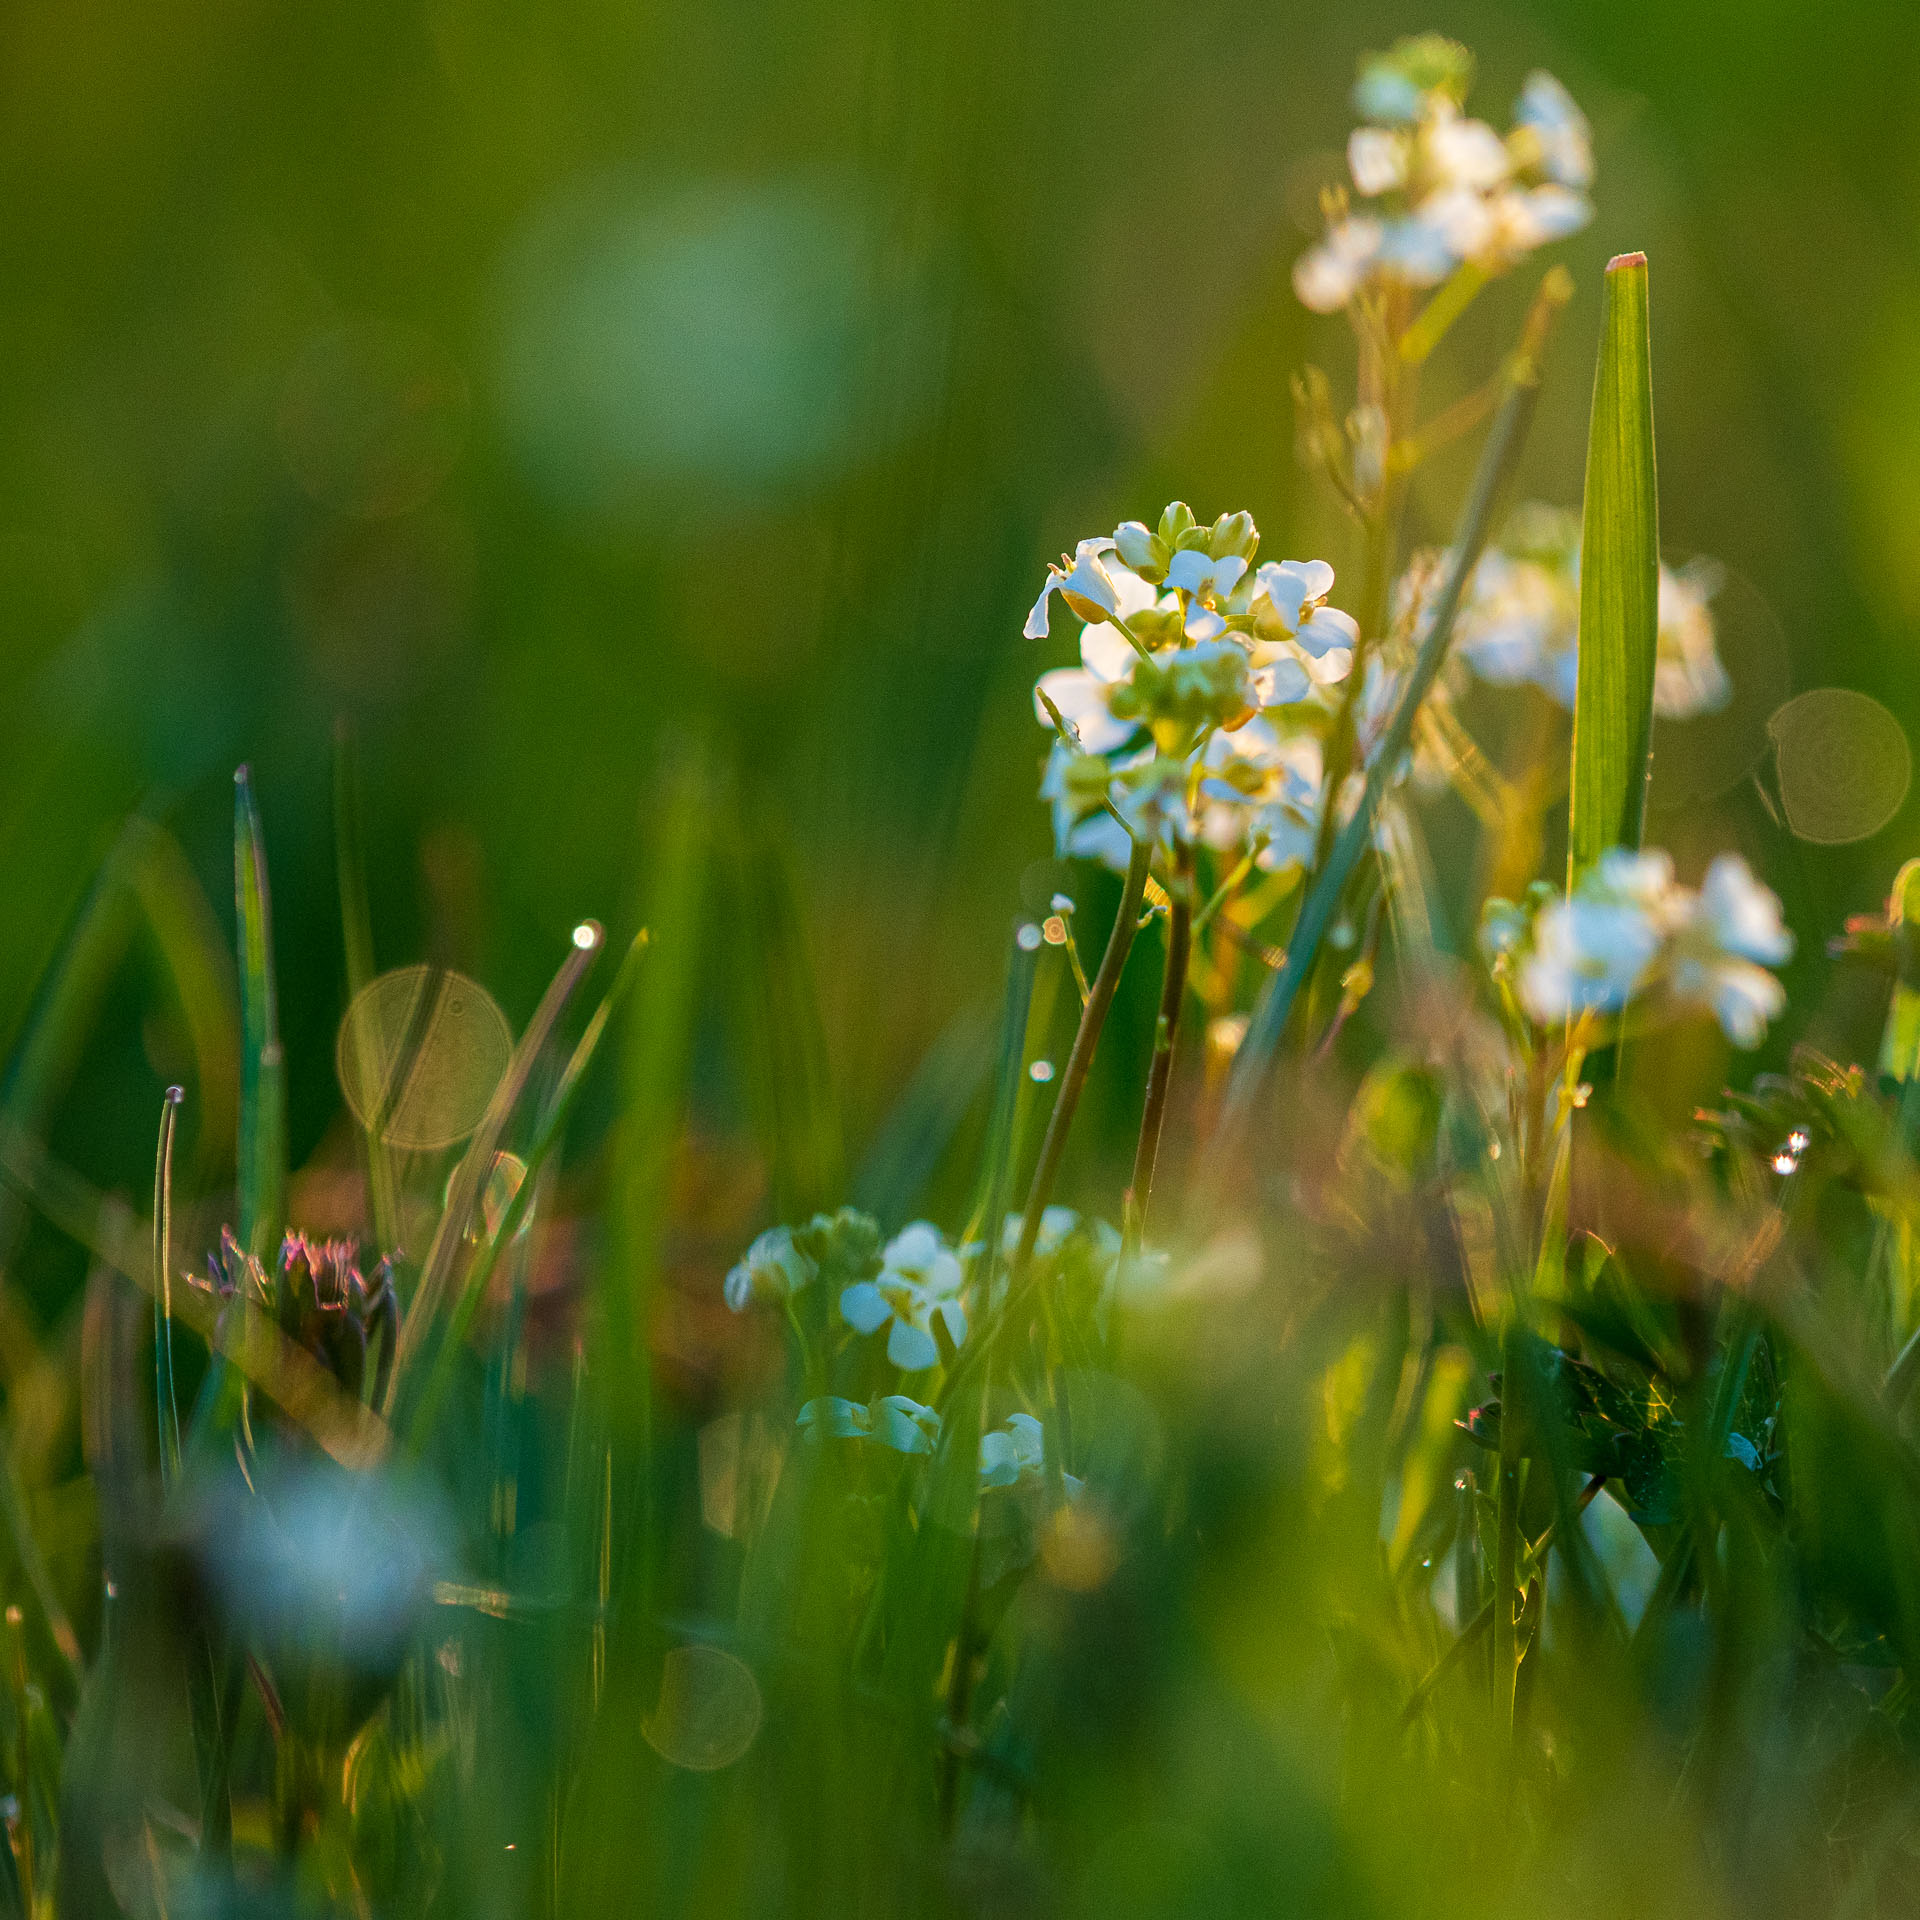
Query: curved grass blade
[1619, 584]
[432, 1298]
[553, 1122]
[165, 1405]
[356, 933]
[263, 1115]
[1317, 911]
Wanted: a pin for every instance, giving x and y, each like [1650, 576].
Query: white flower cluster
[1187, 644]
[919, 1282]
[1519, 621]
[1437, 190]
[1011, 1455]
[1629, 931]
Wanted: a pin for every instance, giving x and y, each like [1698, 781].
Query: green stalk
[1153, 1113]
[1093, 1017]
[1322, 903]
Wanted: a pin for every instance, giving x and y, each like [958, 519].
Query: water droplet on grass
[1040, 1072]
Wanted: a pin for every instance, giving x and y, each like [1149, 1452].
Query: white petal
[1204, 624]
[1316, 576]
[904, 1425]
[953, 1316]
[1467, 153]
[737, 1288]
[1106, 652]
[911, 1348]
[1330, 668]
[998, 1466]
[1189, 570]
[1101, 837]
[863, 1307]
[1377, 159]
[1036, 627]
[1286, 590]
[1029, 1442]
[844, 1419]
[1082, 700]
[1556, 212]
[1282, 683]
[1329, 628]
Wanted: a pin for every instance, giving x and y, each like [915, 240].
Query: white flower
[1688, 678]
[892, 1421]
[774, 1270]
[1204, 585]
[1085, 584]
[1258, 782]
[920, 1278]
[1290, 602]
[1464, 154]
[1593, 951]
[1055, 1224]
[1378, 159]
[1082, 693]
[1326, 277]
[1552, 134]
[1730, 934]
[1012, 1451]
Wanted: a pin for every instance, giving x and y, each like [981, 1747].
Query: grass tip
[1621, 261]
[174, 1096]
[587, 935]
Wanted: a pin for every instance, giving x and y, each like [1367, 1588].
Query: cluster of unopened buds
[1434, 191]
[1166, 730]
[320, 1300]
[1629, 931]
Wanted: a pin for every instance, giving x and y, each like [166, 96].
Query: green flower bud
[1177, 520]
[1233, 533]
[1206, 685]
[1142, 550]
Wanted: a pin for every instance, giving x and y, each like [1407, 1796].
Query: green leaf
[1619, 583]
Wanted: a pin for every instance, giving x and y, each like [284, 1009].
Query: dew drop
[1040, 1072]
[1785, 1162]
[1799, 1140]
[586, 936]
[1028, 938]
[1061, 903]
[1493, 1149]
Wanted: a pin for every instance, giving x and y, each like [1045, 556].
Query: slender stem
[1506, 1565]
[1322, 903]
[1093, 1016]
[1173, 991]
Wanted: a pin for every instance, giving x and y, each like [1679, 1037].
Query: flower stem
[1093, 1016]
[1173, 989]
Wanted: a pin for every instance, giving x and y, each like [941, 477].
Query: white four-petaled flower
[919, 1280]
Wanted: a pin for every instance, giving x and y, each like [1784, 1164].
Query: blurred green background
[561, 392]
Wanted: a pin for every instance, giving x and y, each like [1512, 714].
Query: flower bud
[1233, 533]
[1141, 550]
[1176, 521]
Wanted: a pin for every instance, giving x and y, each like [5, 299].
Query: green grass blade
[263, 1119]
[1317, 911]
[997, 1161]
[1619, 583]
[356, 930]
[546, 1137]
[166, 1408]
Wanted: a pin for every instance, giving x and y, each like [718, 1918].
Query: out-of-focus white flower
[1519, 621]
[1688, 677]
[773, 1270]
[1439, 190]
[1084, 582]
[1629, 930]
[1591, 951]
[1083, 694]
[1327, 276]
[1055, 1224]
[1009, 1453]
[1262, 784]
[919, 1280]
[1551, 133]
[1728, 937]
[892, 1421]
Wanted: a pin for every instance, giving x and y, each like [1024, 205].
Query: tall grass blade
[996, 1166]
[552, 1125]
[166, 1407]
[263, 1117]
[1497, 460]
[423, 1331]
[1619, 583]
[356, 932]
